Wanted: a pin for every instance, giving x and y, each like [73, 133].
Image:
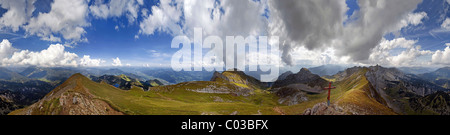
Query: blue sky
[115, 36]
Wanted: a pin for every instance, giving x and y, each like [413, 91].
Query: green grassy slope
[352, 93]
[172, 100]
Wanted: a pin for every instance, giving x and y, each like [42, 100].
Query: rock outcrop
[292, 88]
[304, 76]
[324, 109]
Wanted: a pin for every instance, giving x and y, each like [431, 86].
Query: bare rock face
[293, 88]
[295, 93]
[6, 105]
[324, 109]
[216, 76]
[304, 76]
[290, 96]
[284, 75]
[393, 86]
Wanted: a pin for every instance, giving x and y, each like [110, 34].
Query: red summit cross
[329, 89]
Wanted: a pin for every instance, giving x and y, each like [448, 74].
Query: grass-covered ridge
[180, 101]
[231, 93]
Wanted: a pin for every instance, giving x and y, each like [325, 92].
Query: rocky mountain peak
[304, 71]
[304, 76]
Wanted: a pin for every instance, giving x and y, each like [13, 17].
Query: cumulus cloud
[319, 24]
[116, 8]
[164, 18]
[398, 52]
[215, 18]
[18, 13]
[312, 24]
[219, 18]
[86, 61]
[442, 57]
[377, 18]
[6, 49]
[65, 17]
[116, 62]
[225, 18]
[412, 19]
[54, 56]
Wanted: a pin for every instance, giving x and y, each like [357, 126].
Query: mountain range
[440, 77]
[371, 90]
[326, 70]
[25, 86]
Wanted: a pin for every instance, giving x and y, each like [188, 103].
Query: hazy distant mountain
[416, 70]
[6, 74]
[174, 77]
[50, 74]
[440, 77]
[326, 70]
[125, 82]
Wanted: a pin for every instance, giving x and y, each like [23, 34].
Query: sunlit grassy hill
[235, 93]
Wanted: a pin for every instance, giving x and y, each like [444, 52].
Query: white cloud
[442, 57]
[18, 13]
[86, 61]
[399, 52]
[65, 17]
[117, 62]
[446, 24]
[141, 2]
[412, 19]
[303, 56]
[308, 24]
[157, 54]
[219, 18]
[54, 56]
[225, 18]
[6, 49]
[319, 25]
[116, 28]
[164, 18]
[116, 8]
